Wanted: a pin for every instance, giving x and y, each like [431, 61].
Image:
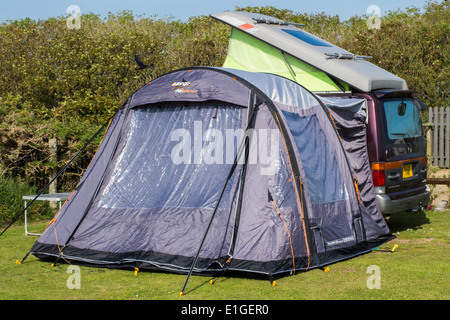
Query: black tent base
[160, 262]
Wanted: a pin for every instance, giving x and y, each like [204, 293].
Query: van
[396, 148]
[396, 144]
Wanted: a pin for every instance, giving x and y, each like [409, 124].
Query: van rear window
[402, 119]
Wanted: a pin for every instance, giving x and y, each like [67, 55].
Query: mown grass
[419, 269]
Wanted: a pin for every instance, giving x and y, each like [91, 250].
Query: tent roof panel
[193, 85]
[196, 84]
[278, 89]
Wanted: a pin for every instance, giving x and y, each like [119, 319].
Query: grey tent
[245, 171]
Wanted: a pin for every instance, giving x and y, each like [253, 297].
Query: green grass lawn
[418, 269]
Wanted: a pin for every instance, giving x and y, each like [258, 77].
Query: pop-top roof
[323, 55]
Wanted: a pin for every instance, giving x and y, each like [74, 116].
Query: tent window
[174, 157]
[324, 179]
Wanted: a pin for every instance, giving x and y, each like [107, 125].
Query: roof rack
[276, 21]
[345, 56]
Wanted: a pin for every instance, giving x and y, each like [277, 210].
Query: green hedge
[11, 203]
[57, 82]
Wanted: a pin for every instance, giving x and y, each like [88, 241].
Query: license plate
[407, 171]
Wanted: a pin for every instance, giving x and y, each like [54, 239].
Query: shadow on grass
[224, 276]
[407, 220]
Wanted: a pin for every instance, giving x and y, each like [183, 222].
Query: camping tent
[246, 169]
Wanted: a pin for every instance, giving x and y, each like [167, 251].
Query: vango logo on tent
[179, 87]
[181, 84]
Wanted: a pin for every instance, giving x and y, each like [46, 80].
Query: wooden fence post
[53, 149]
[441, 137]
[435, 137]
[438, 137]
[447, 138]
[430, 136]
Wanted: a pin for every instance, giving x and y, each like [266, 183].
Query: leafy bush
[11, 203]
[64, 84]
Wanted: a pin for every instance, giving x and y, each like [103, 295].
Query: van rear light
[379, 174]
[379, 178]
